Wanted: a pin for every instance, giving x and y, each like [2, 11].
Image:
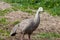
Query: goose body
[27, 26]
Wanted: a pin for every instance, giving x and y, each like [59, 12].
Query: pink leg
[22, 36]
[29, 37]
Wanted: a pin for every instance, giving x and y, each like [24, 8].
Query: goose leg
[29, 37]
[22, 36]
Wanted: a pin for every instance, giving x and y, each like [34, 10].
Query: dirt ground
[4, 5]
[48, 23]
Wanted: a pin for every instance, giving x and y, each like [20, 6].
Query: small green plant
[3, 21]
[16, 22]
[4, 12]
[4, 32]
[1, 39]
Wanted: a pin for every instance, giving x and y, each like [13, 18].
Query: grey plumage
[27, 26]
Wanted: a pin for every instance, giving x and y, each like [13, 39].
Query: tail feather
[14, 30]
[13, 34]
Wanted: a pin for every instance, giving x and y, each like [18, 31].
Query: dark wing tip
[13, 34]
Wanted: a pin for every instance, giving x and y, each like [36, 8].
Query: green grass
[4, 12]
[4, 32]
[3, 21]
[48, 35]
[52, 6]
[16, 22]
[1, 39]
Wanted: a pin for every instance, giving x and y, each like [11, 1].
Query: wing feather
[25, 25]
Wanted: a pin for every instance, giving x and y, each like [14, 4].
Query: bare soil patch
[17, 15]
[4, 5]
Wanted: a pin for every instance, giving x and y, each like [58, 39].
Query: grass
[16, 22]
[4, 32]
[48, 35]
[4, 12]
[3, 21]
[17, 6]
[51, 6]
[1, 39]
